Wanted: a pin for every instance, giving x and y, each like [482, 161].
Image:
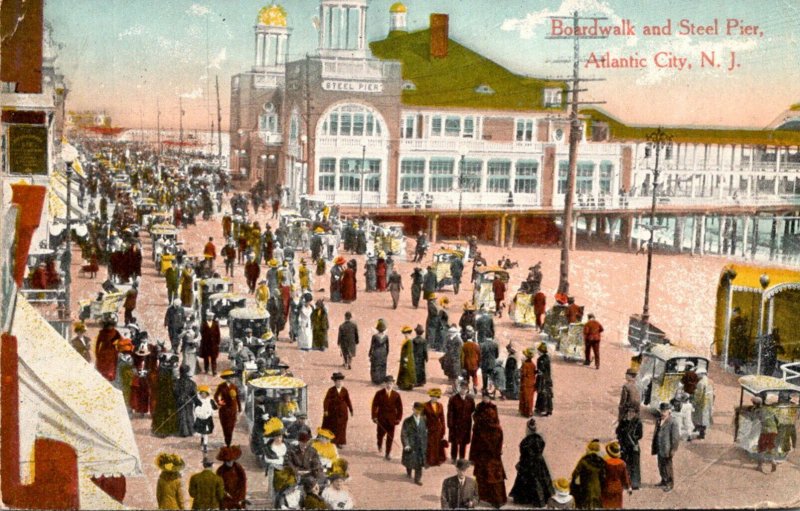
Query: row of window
[584, 176]
[442, 176]
[351, 121]
[350, 174]
[461, 127]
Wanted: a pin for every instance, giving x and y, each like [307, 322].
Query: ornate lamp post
[68, 154]
[764, 281]
[658, 139]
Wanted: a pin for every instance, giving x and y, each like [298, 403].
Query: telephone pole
[158, 139]
[219, 126]
[575, 135]
[180, 117]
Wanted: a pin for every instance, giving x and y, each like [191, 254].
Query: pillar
[721, 234]
[733, 234]
[512, 232]
[773, 234]
[589, 221]
[638, 238]
[502, 231]
[754, 247]
[745, 228]
[626, 231]
[612, 227]
[434, 228]
[702, 228]
[677, 238]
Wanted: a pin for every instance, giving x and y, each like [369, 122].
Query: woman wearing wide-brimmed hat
[337, 408]
[407, 375]
[616, 478]
[533, 485]
[234, 477]
[169, 490]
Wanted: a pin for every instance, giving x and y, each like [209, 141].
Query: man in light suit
[460, 491]
[666, 439]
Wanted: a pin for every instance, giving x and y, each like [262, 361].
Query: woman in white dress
[336, 495]
[305, 333]
[190, 344]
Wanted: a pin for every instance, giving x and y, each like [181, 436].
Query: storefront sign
[27, 149]
[350, 86]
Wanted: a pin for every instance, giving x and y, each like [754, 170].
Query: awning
[57, 199]
[64, 398]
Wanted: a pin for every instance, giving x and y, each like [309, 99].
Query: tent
[62, 397]
[774, 305]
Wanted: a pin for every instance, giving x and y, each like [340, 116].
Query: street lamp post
[658, 138]
[460, 192]
[68, 154]
[264, 165]
[764, 281]
[363, 171]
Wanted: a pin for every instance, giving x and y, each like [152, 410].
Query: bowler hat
[462, 464]
[388, 378]
[664, 406]
[303, 437]
[561, 485]
[631, 372]
[337, 376]
[419, 329]
[613, 449]
[594, 446]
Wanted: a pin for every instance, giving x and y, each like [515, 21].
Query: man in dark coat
[174, 321]
[499, 291]
[206, 488]
[369, 274]
[587, 478]
[429, 284]
[209, 343]
[172, 278]
[361, 242]
[459, 421]
[251, 272]
[432, 326]
[387, 410]
[666, 439]
[467, 317]
[335, 408]
[416, 287]
[414, 437]
[512, 374]
[533, 486]
[489, 354]
[303, 457]
[227, 399]
[484, 325]
[348, 339]
[456, 270]
[420, 355]
[460, 491]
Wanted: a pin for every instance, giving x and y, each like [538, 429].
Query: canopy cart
[779, 398]
[661, 370]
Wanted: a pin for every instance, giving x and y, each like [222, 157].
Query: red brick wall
[537, 231]
[542, 131]
[499, 129]
[548, 175]
[627, 168]
[22, 27]
[482, 228]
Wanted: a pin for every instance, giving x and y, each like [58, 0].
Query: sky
[131, 57]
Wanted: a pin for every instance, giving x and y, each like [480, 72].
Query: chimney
[439, 35]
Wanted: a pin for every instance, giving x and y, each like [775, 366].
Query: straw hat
[203, 388]
[561, 485]
[528, 353]
[325, 433]
[273, 263]
[613, 449]
[273, 427]
[339, 260]
[407, 329]
[435, 393]
[469, 306]
[79, 327]
[542, 347]
[593, 446]
[319, 230]
[444, 301]
[227, 373]
[170, 462]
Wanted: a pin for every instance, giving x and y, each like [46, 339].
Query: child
[204, 408]
[498, 378]
[562, 499]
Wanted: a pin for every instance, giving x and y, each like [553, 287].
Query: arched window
[352, 121]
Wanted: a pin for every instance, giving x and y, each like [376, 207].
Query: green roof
[452, 80]
[620, 131]
[795, 107]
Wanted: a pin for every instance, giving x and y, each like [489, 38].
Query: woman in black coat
[544, 383]
[533, 485]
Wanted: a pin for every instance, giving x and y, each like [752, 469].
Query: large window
[294, 128]
[471, 176]
[469, 127]
[327, 169]
[372, 179]
[563, 171]
[585, 177]
[524, 132]
[499, 176]
[452, 126]
[441, 175]
[350, 175]
[436, 126]
[409, 125]
[606, 176]
[268, 122]
[351, 121]
[525, 180]
[412, 175]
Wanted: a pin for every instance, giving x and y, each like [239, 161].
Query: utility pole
[180, 117]
[309, 136]
[219, 126]
[575, 135]
[158, 139]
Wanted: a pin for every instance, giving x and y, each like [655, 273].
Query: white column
[362, 27]
[512, 177]
[745, 232]
[281, 50]
[259, 54]
[342, 28]
[426, 186]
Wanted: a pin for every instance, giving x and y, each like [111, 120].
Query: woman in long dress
[189, 345]
[533, 485]
[527, 384]
[486, 453]
[319, 326]
[378, 353]
[165, 418]
[407, 375]
[185, 392]
[544, 383]
[305, 334]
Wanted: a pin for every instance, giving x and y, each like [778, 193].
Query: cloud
[217, 60]
[528, 25]
[195, 94]
[135, 30]
[198, 10]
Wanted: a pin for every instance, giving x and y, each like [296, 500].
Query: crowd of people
[305, 470]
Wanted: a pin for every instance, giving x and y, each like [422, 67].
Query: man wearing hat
[206, 488]
[229, 256]
[629, 427]
[174, 321]
[348, 339]
[471, 361]
[460, 407]
[387, 411]
[666, 439]
[429, 284]
[233, 477]
[433, 326]
[303, 458]
[81, 342]
[484, 325]
[335, 409]
[592, 332]
[460, 491]
[210, 339]
[414, 437]
[562, 499]
[300, 425]
[251, 272]
[227, 399]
